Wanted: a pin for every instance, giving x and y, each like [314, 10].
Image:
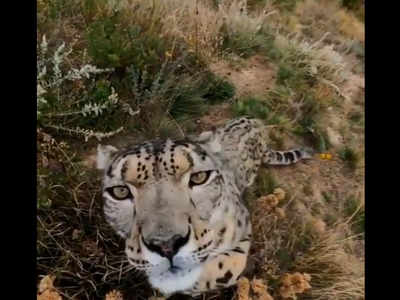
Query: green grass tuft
[350, 156]
[247, 44]
[352, 207]
[218, 89]
[251, 106]
[265, 183]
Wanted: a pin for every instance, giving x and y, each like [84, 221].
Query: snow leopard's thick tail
[272, 157]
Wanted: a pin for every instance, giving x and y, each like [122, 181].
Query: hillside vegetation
[120, 72]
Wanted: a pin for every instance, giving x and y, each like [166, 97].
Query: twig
[196, 30]
[331, 84]
[177, 125]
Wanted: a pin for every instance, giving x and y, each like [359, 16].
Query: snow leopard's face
[175, 206]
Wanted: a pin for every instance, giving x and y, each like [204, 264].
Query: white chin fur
[169, 283]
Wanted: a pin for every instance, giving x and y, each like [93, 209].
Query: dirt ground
[254, 76]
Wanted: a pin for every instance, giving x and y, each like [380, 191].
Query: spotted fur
[206, 226]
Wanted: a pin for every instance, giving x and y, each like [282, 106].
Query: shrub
[67, 98]
[113, 45]
[175, 92]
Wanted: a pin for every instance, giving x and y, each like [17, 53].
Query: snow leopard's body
[180, 207]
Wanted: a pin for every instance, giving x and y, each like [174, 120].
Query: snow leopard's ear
[203, 137]
[210, 139]
[104, 155]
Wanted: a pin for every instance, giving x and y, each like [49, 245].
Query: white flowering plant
[69, 98]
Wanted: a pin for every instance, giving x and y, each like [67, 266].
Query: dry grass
[203, 26]
[302, 242]
[350, 26]
[336, 274]
[321, 61]
[198, 23]
[317, 17]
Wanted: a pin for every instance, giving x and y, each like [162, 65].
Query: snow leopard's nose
[167, 248]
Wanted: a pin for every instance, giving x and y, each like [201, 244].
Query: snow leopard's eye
[120, 192]
[199, 178]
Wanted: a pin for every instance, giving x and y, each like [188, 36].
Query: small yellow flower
[327, 156]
